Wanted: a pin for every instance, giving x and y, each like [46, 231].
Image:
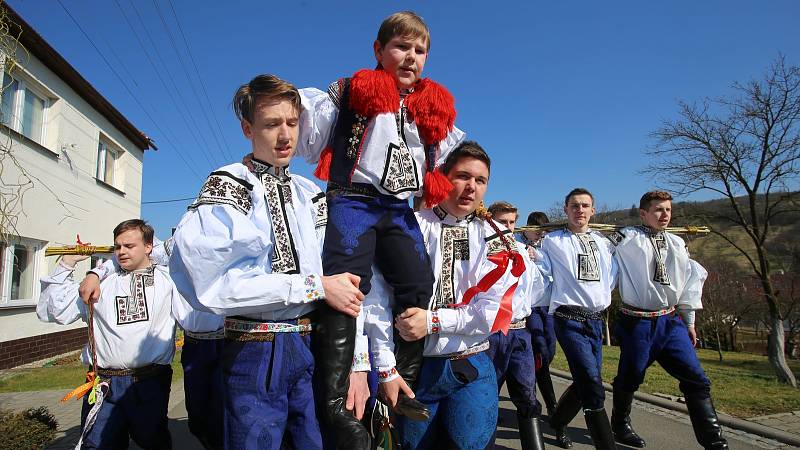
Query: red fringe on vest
[433, 109]
[373, 92]
[323, 169]
[436, 188]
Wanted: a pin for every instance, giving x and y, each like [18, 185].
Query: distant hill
[784, 243]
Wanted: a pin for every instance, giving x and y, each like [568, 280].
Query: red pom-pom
[323, 169]
[437, 187]
[373, 92]
[433, 109]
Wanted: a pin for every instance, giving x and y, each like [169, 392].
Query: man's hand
[357, 394]
[692, 335]
[71, 260]
[89, 289]
[342, 293]
[390, 390]
[412, 324]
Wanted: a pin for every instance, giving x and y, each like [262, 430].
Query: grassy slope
[743, 385]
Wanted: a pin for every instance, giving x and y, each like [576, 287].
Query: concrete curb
[724, 419]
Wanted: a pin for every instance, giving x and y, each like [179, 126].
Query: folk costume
[249, 249]
[584, 272]
[512, 354]
[477, 271]
[661, 289]
[134, 342]
[376, 147]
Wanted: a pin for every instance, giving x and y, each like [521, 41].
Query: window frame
[18, 105]
[36, 248]
[104, 147]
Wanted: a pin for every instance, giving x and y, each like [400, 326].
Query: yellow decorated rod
[606, 228]
[80, 248]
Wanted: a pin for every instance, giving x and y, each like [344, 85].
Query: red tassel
[323, 169]
[437, 188]
[373, 92]
[433, 109]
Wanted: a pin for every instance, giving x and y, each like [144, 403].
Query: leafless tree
[745, 148]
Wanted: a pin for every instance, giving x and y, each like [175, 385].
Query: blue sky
[561, 94]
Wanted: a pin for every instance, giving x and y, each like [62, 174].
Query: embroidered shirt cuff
[313, 288]
[385, 376]
[100, 271]
[361, 362]
[434, 326]
[448, 320]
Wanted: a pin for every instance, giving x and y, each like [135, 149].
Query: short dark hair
[537, 218]
[502, 207]
[652, 196]
[466, 149]
[135, 224]
[269, 86]
[578, 191]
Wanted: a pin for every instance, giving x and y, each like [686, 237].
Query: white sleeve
[317, 120]
[222, 256]
[104, 270]
[451, 141]
[691, 297]
[361, 353]
[59, 301]
[377, 308]
[539, 284]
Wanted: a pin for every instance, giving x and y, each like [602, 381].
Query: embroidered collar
[261, 167]
[146, 271]
[649, 231]
[450, 219]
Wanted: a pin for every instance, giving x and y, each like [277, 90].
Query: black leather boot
[599, 429]
[545, 384]
[408, 361]
[567, 408]
[621, 420]
[530, 433]
[334, 343]
[705, 423]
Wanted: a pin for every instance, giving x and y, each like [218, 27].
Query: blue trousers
[582, 343]
[135, 409]
[512, 357]
[203, 387]
[663, 339]
[383, 230]
[462, 398]
[268, 394]
[543, 335]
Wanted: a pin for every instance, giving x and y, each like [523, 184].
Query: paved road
[662, 429]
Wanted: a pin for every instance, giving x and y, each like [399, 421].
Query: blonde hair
[404, 23]
[502, 207]
[269, 86]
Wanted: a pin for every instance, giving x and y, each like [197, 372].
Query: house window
[106, 162]
[23, 109]
[19, 272]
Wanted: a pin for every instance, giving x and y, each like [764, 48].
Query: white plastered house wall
[87, 177]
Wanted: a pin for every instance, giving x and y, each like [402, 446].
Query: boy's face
[579, 209]
[131, 251]
[470, 178]
[658, 215]
[404, 58]
[509, 219]
[273, 131]
[534, 236]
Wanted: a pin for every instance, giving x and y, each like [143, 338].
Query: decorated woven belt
[642, 313]
[139, 372]
[247, 330]
[482, 347]
[577, 313]
[364, 189]
[205, 336]
[518, 325]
